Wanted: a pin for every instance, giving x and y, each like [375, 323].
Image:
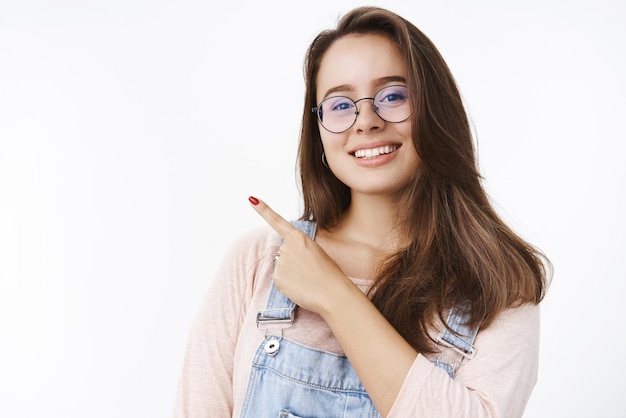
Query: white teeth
[375, 152]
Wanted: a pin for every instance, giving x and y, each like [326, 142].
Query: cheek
[406, 131]
[406, 128]
[332, 142]
[334, 152]
[414, 156]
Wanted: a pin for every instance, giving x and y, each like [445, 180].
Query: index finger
[273, 219]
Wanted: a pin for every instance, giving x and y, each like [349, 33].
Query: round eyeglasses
[338, 113]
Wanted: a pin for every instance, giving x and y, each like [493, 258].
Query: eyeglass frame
[357, 111]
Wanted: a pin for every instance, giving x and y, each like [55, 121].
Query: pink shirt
[224, 339]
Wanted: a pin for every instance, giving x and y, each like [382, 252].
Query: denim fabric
[291, 380]
[302, 382]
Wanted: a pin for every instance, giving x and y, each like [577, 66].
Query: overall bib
[291, 380]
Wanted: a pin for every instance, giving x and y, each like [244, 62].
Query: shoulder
[258, 240]
[254, 244]
[518, 319]
[246, 266]
[260, 236]
[512, 338]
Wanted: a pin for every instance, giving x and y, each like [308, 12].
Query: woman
[413, 298]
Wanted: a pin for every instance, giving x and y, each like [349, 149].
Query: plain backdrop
[132, 133]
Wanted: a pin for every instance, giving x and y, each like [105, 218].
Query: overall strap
[460, 337]
[279, 308]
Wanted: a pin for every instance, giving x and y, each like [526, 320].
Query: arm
[378, 353]
[205, 387]
[496, 383]
[400, 381]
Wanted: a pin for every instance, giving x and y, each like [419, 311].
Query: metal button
[271, 346]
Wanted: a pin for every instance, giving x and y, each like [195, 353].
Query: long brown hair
[460, 253]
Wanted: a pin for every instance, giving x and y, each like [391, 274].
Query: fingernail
[253, 200]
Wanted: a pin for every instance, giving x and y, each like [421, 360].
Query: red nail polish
[253, 200]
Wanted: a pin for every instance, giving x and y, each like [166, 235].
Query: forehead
[359, 61]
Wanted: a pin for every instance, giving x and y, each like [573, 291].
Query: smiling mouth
[374, 152]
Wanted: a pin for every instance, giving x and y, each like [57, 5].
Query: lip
[372, 145]
[379, 159]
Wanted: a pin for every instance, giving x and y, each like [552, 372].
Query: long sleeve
[205, 387]
[496, 383]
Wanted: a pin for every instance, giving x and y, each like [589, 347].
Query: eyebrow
[377, 82]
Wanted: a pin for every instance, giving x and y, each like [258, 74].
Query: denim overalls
[290, 380]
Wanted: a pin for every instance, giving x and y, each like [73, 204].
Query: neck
[371, 219]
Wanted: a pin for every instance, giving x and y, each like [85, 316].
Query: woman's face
[372, 156]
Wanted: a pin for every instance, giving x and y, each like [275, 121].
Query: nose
[366, 116]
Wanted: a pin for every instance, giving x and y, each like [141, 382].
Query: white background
[132, 133]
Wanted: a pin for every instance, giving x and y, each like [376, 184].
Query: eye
[341, 106]
[392, 96]
[338, 104]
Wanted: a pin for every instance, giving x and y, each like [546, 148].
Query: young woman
[399, 293]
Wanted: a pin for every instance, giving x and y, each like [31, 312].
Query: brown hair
[460, 253]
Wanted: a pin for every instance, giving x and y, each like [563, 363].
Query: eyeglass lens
[338, 114]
